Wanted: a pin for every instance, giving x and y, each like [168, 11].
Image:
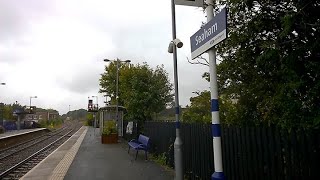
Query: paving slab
[112, 161]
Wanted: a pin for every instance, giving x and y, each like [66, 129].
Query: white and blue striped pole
[216, 128]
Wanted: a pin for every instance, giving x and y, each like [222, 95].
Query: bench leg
[128, 149]
[137, 154]
[146, 155]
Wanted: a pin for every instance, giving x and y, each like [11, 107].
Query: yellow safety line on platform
[62, 168]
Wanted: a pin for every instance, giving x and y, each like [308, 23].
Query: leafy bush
[110, 127]
[52, 124]
[160, 159]
[88, 122]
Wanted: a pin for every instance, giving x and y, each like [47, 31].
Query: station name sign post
[202, 41]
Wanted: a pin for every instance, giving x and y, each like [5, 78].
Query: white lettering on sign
[206, 33]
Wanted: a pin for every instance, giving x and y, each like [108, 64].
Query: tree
[271, 62]
[8, 110]
[79, 114]
[142, 90]
[199, 109]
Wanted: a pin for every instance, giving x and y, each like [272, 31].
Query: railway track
[21, 146]
[17, 161]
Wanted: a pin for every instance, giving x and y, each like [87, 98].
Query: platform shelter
[108, 113]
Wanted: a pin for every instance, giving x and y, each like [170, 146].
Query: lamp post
[1, 108]
[117, 82]
[31, 98]
[178, 159]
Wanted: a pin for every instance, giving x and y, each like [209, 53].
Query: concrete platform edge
[27, 131]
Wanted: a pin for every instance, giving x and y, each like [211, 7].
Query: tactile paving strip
[62, 168]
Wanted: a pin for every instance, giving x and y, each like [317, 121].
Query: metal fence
[248, 153]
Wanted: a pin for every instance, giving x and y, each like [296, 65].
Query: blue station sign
[209, 35]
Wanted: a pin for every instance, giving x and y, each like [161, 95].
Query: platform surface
[11, 133]
[57, 163]
[83, 157]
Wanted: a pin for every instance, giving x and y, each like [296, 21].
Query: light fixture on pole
[117, 83]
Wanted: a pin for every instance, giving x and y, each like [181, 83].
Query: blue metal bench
[141, 144]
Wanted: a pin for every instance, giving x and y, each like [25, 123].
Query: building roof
[112, 108]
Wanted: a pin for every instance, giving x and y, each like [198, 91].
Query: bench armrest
[134, 140]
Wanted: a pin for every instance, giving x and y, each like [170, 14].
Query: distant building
[43, 115]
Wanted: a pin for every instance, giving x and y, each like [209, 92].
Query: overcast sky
[54, 49]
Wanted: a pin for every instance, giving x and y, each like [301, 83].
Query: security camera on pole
[178, 159]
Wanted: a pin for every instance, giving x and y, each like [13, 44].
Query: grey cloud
[15, 16]
[11, 21]
[9, 56]
[82, 81]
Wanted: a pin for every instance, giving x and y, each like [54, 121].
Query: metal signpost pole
[117, 89]
[1, 113]
[178, 166]
[216, 129]
[94, 127]
[95, 118]
[1, 109]
[18, 125]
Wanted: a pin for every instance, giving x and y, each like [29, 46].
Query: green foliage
[199, 109]
[80, 114]
[142, 90]
[160, 159]
[270, 63]
[52, 124]
[110, 127]
[89, 119]
[7, 111]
